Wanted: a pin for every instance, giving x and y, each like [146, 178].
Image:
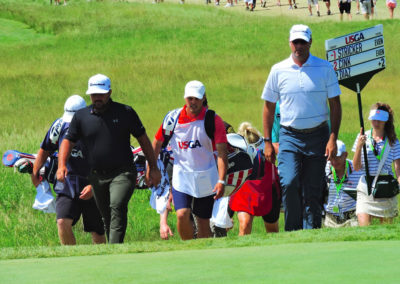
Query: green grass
[149, 52]
[347, 262]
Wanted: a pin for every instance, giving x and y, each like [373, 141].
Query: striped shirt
[302, 92]
[341, 199]
[373, 162]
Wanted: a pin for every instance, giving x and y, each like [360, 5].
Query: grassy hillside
[149, 52]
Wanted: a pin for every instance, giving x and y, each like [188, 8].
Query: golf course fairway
[339, 262]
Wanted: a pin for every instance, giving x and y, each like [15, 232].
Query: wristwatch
[267, 139]
[221, 181]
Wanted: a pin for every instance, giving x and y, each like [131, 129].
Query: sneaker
[216, 3]
[295, 6]
[228, 5]
[329, 12]
[318, 14]
[182, 2]
[358, 13]
[264, 4]
[247, 8]
[290, 8]
[310, 14]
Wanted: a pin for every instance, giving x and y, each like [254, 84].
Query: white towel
[220, 216]
[160, 194]
[44, 200]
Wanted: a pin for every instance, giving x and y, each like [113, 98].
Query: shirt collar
[309, 61]
[110, 101]
[184, 118]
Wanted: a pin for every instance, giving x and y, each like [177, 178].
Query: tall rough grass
[149, 52]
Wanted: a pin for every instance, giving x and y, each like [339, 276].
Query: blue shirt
[277, 124]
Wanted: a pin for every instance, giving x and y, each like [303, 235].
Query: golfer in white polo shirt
[303, 84]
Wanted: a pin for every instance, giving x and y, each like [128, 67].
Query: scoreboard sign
[356, 57]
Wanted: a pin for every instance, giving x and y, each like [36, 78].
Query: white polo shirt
[302, 92]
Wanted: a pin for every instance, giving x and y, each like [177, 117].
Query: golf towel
[44, 200]
[160, 194]
[220, 216]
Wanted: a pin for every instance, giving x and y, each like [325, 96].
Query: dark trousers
[301, 164]
[112, 192]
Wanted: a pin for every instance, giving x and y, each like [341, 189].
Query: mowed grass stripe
[361, 262]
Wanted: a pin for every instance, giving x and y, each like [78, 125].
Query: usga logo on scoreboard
[357, 53]
[353, 38]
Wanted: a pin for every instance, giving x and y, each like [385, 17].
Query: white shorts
[366, 6]
[310, 2]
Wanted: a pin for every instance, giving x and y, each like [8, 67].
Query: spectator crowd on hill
[365, 7]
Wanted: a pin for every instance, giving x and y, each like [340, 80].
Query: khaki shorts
[331, 221]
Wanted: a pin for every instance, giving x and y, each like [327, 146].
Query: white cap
[341, 148]
[378, 114]
[195, 89]
[72, 104]
[98, 84]
[300, 32]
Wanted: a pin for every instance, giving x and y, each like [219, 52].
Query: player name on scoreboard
[357, 53]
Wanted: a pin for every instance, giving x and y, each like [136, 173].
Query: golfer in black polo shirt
[105, 128]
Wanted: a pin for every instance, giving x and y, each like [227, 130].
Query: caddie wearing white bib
[196, 180]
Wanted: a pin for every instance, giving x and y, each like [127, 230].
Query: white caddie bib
[195, 171]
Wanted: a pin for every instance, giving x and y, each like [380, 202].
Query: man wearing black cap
[105, 128]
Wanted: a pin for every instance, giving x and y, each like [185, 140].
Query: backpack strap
[169, 123]
[171, 119]
[209, 123]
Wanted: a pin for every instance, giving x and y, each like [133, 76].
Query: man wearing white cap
[196, 180]
[342, 179]
[105, 128]
[74, 197]
[303, 84]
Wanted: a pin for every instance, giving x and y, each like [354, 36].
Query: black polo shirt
[106, 135]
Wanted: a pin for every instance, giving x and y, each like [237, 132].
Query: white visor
[378, 114]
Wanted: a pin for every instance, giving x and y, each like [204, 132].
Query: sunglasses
[299, 41]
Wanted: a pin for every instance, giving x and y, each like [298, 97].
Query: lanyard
[375, 151]
[335, 178]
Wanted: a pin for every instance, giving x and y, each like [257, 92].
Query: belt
[307, 130]
[111, 172]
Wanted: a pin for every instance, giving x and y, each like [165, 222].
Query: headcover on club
[10, 157]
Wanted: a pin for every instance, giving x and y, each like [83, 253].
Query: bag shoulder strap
[209, 123]
[169, 123]
[381, 163]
